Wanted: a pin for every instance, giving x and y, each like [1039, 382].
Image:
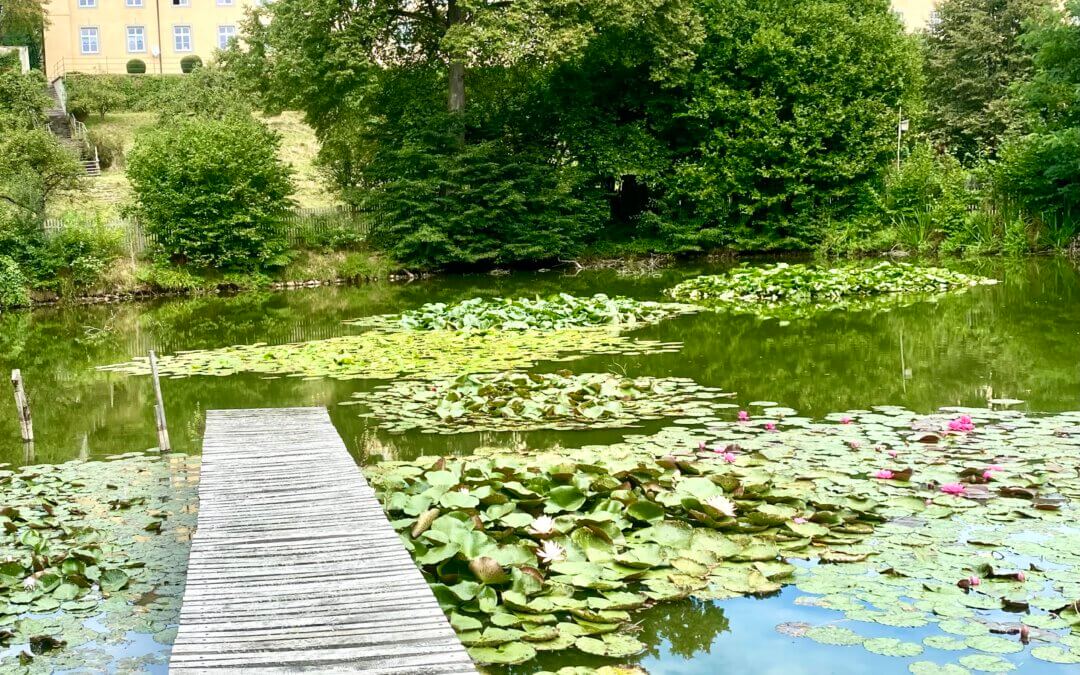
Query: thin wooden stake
[26, 425]
[159, 410]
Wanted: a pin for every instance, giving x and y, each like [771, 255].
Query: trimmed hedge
[136, 66]
[190, 63]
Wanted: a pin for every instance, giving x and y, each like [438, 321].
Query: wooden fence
[301, 226]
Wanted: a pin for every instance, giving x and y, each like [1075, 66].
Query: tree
[97, 94]
[22, 23]
[1041, 169]
[33, 165]
[789, 117]
[974, 56]
[212, 191]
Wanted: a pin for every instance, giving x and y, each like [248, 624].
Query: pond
[1019, 339]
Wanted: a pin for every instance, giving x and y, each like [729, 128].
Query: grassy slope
[103, 196]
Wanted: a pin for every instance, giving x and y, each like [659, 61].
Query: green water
[1019, 339]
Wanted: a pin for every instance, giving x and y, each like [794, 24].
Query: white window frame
[176, 35]
[224, 3]
[141, 37]
[181, 3]
[229, 38]
[87, 4]
[133, 4]
[84, 36]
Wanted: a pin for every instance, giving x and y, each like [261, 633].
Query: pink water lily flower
[1020, 576]
[988, 475]
[974, 581]
[800, 520]
[884, 474]
[893, 453]
[730, 457]
[854, 445]
[962, 423]
[953, 488]
[845, 420]
[744, 416]
[701, 445]
[770, 426]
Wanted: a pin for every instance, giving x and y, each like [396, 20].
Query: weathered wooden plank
[294, 567]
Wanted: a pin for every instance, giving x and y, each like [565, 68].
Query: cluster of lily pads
[92, 552]
[554, 313]
[378, 354]
[551, 551]
[979, 538]
[792, 290]
[520, 401]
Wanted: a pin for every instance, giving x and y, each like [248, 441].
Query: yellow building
[101, 36]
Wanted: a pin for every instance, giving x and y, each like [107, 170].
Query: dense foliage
[693, 123]
[974, 57]
[1041, 169]
[211, 191]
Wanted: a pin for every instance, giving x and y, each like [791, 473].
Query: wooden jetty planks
[294, 566]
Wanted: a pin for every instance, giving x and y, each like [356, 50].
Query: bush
[110, 147]
[212, 191]
[478, 205]
[13, 284]
[99, 95]
[76, 258]
[136, 94]
[170, 279]
[928, 185]
[136, 67]
[190, 63]
[331, 233]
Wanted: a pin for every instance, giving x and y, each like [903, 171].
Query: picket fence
[300, 225]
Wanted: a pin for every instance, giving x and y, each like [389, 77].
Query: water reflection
[1020, 339]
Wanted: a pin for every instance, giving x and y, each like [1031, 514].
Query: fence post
[159, 410]
[26, 425]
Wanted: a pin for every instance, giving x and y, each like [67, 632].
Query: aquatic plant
[380, 354]
[101, 541]
[516, 400]
[785, 290]
[550, 551]
[553, 313]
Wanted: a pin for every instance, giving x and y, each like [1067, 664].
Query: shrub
[212, 191]
[481, 204]
[136, 67]
[927, 197]
[99, 95]
[362, 266]
[76, 258]
[190, 63]
[110, 147]
[170, 279]
[13, 284]
[331, 233]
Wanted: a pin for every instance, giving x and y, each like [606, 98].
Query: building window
[88, 40]
[86, 4]
[224, 3]
[133, 3]
[225, 35]
[136, 39]
[181, 3]
[181, 38]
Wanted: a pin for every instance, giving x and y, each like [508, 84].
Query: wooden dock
[294, 566]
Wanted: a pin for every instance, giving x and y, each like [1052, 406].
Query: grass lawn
[105, 195]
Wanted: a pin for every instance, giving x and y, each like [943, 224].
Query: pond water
[1019, 339]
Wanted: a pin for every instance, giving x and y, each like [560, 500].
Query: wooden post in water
[26, 425]
[159, 410]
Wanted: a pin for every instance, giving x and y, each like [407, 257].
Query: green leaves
[793, 291]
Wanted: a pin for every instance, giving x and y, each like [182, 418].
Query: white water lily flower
[722, 504]
[551, 552]
[29, 582]
[542, 525]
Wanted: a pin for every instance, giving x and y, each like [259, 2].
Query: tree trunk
[457, 87]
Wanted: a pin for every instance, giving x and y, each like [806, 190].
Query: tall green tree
[974, 56]
[790, 115]
[22, 23]
[1041, 169]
